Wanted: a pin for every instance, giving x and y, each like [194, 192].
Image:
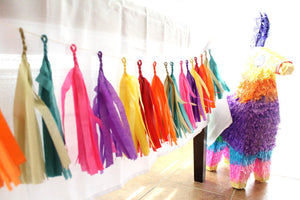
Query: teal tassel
[53, 165]
[182, 109]
[214, 69]
[178, 114]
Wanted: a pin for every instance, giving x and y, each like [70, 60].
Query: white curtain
[160, 30]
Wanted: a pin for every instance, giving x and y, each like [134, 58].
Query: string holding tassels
[53, 165]
[130, 96]
[148, 110]
[88, 146]
[115, 135]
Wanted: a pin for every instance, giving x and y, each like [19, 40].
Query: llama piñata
[248, 142]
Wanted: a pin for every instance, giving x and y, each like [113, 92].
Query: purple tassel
[109, 108]
[195, 100]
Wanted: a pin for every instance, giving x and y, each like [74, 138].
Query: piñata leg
[262, 166]
[226, 155]
[241, 167]
[214, 154]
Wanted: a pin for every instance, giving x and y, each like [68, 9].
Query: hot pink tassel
[185, 93]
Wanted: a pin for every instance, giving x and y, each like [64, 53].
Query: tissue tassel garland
[109, 108]
[88, 147]
[174, 103]
[52, 163]
[131, 99]
[185, 93]
[26, 127]
[162, 110]
[11, 156]
[148, 110]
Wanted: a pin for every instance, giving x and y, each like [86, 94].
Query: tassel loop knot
[181, 62]
[23, 41]
[74, 49]
[187, 64]
[172, 67]
[44, 40]
[154, 67]
[124, 63]
[139, 63]
[100, 59]
[166, 64]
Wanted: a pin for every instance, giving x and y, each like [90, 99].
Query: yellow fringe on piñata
[260, 81]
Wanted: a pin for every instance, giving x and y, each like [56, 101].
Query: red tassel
[147, 108]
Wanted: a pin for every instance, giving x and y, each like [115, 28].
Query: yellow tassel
[131, 99]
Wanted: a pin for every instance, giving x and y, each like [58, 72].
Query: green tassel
[53, 165]
[214, 68]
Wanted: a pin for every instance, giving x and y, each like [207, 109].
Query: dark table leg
[200, 155]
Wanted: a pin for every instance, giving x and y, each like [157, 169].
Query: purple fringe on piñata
[254, 126]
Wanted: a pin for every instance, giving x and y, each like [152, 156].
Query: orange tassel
[162, 110]
[210, 102]
[11, 156]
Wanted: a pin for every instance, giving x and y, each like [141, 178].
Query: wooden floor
[171, 177]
